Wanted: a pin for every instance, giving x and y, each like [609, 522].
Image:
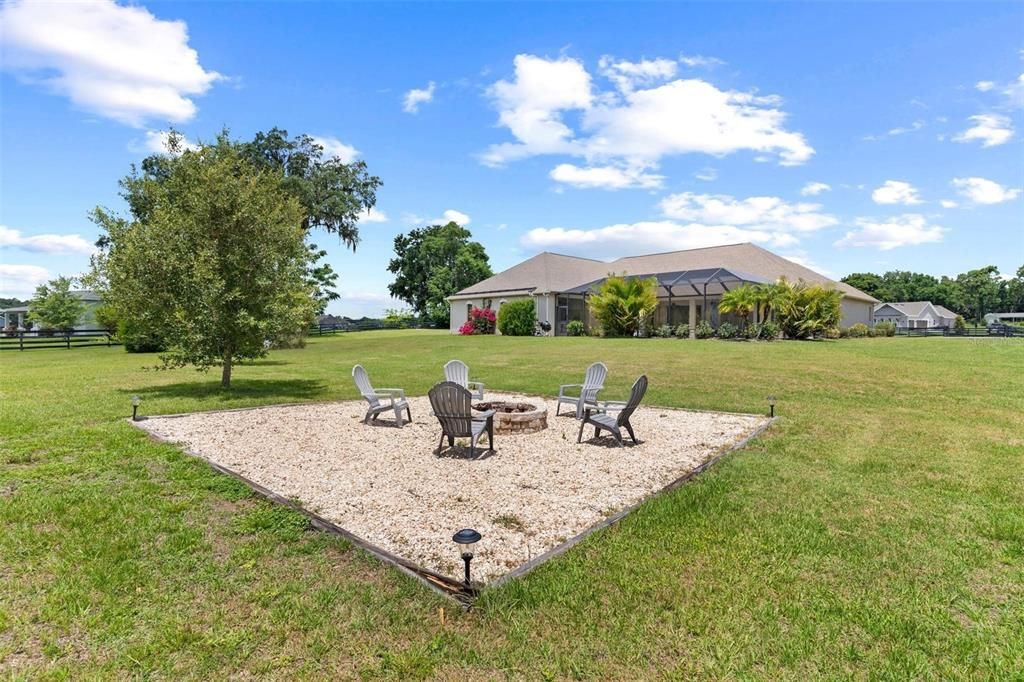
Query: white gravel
[389, 487]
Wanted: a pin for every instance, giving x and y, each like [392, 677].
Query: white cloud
[813, 189]
[605, 177]
[990, 129]
[1015, 92]
[373, 216]
[896, 192]
[696, 60]
[706, 174]
[770, 214]
[982, 191]
[984, 86]
[119, 62]
[336, 149]
[20, 281]
[629, 75]
[903, 230]
[948, 203]
[449, 216]
[156, 142]
[633, 125]
[895, 132]
[417, 96]
[53, 244]
[531, 105]
[644, 237]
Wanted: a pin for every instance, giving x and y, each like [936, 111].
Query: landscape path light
[771, 406]
[136, 401]
[466, 539]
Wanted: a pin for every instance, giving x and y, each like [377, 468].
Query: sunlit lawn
[877, 532]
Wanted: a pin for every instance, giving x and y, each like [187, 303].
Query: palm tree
[769, 297]
[742, 300]
[622, 304]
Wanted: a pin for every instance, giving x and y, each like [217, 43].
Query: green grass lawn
[876, 532]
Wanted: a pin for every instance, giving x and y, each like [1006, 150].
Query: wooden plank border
[442, 584]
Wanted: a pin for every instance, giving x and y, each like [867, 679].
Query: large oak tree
[213, 257]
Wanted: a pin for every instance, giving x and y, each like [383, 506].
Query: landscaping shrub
[885, 329]
[682, 331]
[858, 331]
[835, 333]
[662, 332]
[727, 330]
[576, 328]
[622, 305]
[765, 331]
[958, 324]
[807, 310]
[704, 330]
[481, 321]
[517, 318]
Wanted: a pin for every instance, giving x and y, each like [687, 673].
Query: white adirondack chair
[380, 399]
[593, 381]
[457, 372]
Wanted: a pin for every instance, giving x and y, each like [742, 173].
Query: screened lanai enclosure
[684, 297]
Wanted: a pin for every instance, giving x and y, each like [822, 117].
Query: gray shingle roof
[552, 272]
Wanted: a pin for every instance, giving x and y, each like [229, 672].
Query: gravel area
[390, 487]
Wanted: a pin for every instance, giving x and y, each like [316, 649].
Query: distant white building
[916, 314]
[17, 316]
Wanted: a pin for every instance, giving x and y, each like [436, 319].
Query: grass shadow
[275, 390]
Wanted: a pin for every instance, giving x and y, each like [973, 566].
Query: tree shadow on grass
[266, 390]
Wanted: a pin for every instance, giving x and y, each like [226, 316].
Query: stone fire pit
[516, 418]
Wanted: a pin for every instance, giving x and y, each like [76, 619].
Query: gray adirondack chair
[380, 399]
[457, 372]
[602, 419]
[452, 405]
[593, 381]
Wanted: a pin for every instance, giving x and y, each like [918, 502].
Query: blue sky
[848, 137]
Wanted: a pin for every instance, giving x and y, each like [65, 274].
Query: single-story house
[690, 284]
[18, 315]
[917, 314]
[1003, 318]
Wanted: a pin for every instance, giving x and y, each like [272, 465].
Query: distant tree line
[971, 294]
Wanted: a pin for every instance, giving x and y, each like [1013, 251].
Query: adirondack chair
[593, 381]
[452, 405]
[380, 399]
[601, 418]
[456, 371]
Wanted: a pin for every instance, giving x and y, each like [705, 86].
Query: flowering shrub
[481, 321]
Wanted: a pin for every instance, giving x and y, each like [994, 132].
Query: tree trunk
[225, 375]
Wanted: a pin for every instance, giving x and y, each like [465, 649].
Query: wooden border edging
[444, 585]
[622, 513]
[441, 584]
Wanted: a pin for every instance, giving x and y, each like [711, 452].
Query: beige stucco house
[690, 283]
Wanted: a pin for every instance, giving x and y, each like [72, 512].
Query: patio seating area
[394, 488]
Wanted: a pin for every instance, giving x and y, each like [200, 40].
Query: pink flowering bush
[481, 321]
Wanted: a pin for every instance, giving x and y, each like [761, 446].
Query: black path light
[467, 539]
[771, 406]
[136, 401]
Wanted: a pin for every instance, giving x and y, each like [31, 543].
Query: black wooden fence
[361, 326]
[78, 338]
[1003, 331]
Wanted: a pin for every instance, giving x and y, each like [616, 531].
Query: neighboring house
[1003, 318]
[18, 315]
[946, 316]
[917, 314]
[690, 284]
